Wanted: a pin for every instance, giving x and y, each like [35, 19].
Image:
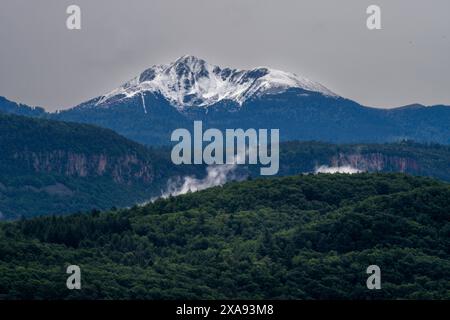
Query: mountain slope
[8, 106]
[405, 157]
[50, 167]
[299, 115]
[56, 167]
[166, 97]
[192, 82]
[303, 237]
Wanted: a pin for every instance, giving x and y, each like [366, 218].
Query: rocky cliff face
[376, 162]
[51, 167]
[126, 168]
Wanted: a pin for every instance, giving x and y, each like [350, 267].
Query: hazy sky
[43, 63]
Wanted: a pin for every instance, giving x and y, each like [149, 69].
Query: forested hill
[60, 167]
[299, 237]
[430, 160]
[52, 167]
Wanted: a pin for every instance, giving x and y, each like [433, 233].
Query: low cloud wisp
[339, 169]
[216, 176]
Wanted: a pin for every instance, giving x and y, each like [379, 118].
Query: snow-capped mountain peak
[190, 81]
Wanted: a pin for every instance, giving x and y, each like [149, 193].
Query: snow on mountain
[190, 81]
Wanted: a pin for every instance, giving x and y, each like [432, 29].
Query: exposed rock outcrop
[123, 169]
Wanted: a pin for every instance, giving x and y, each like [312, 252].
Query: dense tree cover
[299, 237]
[35, 155]
[53, 167]
[431, 160]
[299, 114]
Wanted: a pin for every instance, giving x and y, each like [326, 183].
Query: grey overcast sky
[408, 61]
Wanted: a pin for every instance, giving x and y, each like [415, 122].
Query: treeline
[300, 237]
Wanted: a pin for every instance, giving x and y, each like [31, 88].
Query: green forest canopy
[299, 237]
